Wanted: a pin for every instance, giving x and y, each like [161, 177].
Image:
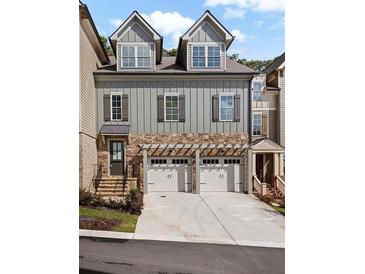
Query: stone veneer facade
[134, 158]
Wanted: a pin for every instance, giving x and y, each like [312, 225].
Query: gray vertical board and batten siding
[142, 97]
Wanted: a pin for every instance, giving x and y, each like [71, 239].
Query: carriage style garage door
[221, 174]
[169, 174]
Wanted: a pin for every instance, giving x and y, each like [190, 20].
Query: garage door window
[158, 161]
[179, 161]
[232, 161]
[210, 161]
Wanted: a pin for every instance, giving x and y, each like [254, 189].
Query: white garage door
[169, 174]
[221, 174]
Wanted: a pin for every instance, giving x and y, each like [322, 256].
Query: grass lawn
[128, 221]
[281, 210]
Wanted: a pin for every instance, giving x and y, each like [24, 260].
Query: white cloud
[171, 24]
[256, 5]
[239, 36]
[116, 22]
[230, 13]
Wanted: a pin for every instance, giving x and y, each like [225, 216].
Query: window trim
[219, 105]
[178, 105]
[206, 45]
[135, 45]
[253, 114]
[111, 106]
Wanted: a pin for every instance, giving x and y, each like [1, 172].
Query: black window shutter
[125, 107]
[237, 106]
[160, 108]
[182, 108]
[215, 108]
[106, 107]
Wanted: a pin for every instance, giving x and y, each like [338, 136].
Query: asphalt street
[160, 257]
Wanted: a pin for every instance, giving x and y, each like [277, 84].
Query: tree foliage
[171, 52]
[258, 65]
[106, 45]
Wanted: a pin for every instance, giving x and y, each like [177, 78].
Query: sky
[258, 25]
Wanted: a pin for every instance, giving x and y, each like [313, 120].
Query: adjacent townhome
[266, 153]
[92, 56]
[173, 123]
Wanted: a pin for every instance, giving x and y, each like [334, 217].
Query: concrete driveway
[211, 217]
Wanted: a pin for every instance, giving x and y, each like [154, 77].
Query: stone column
[145, 172]
[281, 165]
[197, 171]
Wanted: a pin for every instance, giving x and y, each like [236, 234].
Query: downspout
[250, 112]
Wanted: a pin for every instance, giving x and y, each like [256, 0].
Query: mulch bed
[97, 223]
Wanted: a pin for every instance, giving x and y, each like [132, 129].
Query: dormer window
[199, 57]
[136, 57]
[214, 58]
[206, 57]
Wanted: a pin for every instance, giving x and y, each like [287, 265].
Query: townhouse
[179, 123]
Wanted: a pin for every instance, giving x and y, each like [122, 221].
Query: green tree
[106, 45]
[258, 65]
[171, 52]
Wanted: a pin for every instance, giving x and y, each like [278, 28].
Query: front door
[116, 158]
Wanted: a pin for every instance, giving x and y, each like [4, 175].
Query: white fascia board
[207, 14]
[156, 36]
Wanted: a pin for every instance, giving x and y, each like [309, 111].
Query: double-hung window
[206, 56]
[143, 56]
[136, 57]
[171, 107]
[226, 107]
[128, 57]
[116, 107]
[257, 124]
[256, 90]
[199, 57]
[214, 59]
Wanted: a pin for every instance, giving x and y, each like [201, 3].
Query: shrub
[114, 203]
[134, 202]
[87, 198]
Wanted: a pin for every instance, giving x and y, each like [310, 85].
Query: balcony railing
[260, 104]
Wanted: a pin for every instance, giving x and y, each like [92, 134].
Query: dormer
[137, 46]
[203, 47]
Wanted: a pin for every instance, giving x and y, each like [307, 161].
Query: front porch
[267, 168]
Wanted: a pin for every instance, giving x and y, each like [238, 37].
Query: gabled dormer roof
[150, 31]
[210, 21]
[207, 14]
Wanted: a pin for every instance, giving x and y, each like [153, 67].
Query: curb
[105, 234]
[149, 237]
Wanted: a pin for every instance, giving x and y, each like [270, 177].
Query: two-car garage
[221, 174]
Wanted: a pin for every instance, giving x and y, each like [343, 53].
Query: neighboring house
[92, 56]
[275, 80]
[268, 125]
[173, 124]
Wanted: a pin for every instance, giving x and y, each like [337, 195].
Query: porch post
[253, 164]
[281, 165]
[197, 171]
[145, 172]
[251, 170]
[276, 164]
